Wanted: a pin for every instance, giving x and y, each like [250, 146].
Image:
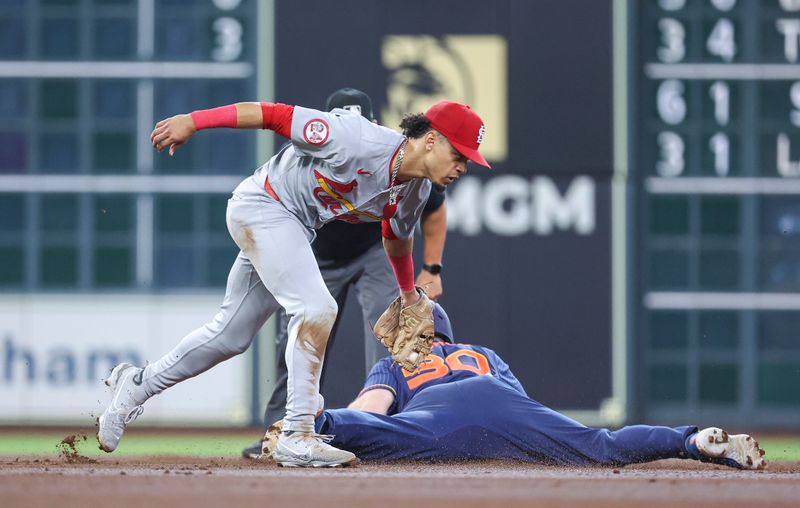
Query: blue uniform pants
[482, 418]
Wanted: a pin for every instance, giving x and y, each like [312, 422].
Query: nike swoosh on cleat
[304, 456]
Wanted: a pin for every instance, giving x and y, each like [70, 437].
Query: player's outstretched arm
[377, 400]
[434, 232]
[174, 131]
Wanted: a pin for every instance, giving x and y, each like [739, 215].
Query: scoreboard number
[671, 162]
[228, 33]
[721, 42]
[228, 39]
[670, 101]
[721, 95]
[721, 148]
[673, 37]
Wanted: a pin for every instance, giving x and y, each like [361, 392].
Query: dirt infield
[175, 482]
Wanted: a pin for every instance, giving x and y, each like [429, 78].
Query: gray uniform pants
[275, 268]
[371, 276]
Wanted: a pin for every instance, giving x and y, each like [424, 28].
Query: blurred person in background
[351, 256]
[339, 166]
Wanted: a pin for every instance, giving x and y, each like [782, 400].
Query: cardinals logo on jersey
[330, 194]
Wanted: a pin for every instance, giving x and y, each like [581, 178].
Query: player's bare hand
[172, 132]
[432, 284]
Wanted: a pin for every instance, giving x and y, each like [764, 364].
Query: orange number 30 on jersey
[434, 367]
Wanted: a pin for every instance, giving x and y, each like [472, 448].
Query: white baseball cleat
[308, 449]
[270, 440]
[740, 451]
[125, 406]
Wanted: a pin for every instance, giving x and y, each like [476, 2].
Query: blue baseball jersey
[446, 363]
[463, 402]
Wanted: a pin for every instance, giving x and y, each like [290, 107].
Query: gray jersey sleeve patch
[332, 137]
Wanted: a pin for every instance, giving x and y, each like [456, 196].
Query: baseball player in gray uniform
[350, 256]
[339, 166]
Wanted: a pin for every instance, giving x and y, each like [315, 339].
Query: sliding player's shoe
[717, 446]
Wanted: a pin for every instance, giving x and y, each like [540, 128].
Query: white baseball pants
[275, 268]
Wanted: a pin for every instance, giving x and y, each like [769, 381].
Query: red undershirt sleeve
[277, 117]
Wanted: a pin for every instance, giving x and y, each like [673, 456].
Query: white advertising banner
[55, 350]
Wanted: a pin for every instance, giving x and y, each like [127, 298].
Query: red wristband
[223, 116]
[403, 267]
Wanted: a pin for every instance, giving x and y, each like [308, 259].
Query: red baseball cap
[462, 127]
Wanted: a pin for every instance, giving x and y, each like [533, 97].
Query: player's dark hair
[415, 125]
